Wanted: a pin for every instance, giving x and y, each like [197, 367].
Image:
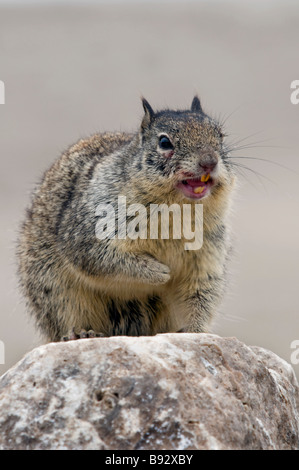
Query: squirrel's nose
[208, 161]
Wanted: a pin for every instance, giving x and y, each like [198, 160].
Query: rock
[170, 391]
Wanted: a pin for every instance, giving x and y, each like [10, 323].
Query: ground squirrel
[76, 282]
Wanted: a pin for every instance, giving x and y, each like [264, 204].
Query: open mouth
[196, 188]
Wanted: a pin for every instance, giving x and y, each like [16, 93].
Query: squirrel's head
[183, 151]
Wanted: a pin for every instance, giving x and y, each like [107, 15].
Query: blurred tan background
[72, 70]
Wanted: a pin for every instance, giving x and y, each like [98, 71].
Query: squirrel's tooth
[205, 178]
[199, 189]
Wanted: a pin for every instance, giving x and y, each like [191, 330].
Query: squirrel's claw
[72, 335]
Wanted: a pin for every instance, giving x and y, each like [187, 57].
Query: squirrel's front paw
[154, 272]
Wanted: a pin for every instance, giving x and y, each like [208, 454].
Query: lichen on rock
[171, 391]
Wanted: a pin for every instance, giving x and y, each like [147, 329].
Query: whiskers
[240, 167]
[234, 158]
[236, 155]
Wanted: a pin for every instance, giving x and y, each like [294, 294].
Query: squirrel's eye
[165, 143]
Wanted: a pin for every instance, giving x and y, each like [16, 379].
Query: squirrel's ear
[148, 114]
[196, 106]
